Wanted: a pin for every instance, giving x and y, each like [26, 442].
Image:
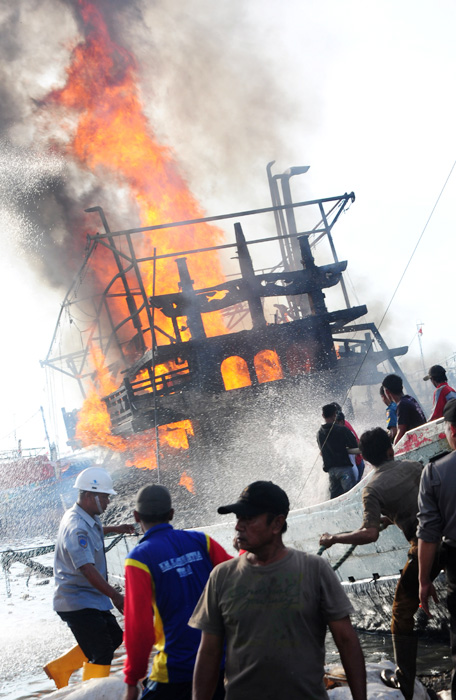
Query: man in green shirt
[272, 605]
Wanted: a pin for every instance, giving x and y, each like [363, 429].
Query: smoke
[220, 95]
[209, 91]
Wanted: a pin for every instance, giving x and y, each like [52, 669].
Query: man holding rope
[391, 496]
[334, 440]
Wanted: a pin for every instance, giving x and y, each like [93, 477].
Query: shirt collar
[155, 528]
[85, 516]
[389, 464]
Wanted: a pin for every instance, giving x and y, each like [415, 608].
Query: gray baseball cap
[153, 499]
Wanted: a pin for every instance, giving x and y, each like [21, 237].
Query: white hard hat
[95, 479]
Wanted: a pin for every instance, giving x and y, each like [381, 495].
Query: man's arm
[351, 656]
[429, 533]
[401, 430]
[139, 634]
[125, 529]
[131, 692]
[426, 556]
[96, 580]
[207, 667]
[362, 536]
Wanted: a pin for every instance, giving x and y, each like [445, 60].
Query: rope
[114, 542]
[349, 551]
[9, 556]
[343, 558]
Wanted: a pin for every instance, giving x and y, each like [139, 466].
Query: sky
[361, 91]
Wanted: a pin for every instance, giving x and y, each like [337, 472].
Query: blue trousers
[341, 479]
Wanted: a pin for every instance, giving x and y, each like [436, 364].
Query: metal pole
[131, 302]
[154, 386]
[333, 250]
[220, 217]
[420, 333]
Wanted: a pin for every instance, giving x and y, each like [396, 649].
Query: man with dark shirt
[334, 442]
[409, 412]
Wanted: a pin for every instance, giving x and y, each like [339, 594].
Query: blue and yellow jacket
[164, 577]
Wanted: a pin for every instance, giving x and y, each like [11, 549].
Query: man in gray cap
[437, 520]
[164, 577]
[271, 606]
[443, 391]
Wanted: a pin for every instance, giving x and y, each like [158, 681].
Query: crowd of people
[254, 625]
[338, 441]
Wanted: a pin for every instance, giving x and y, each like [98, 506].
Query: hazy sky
[362, 91]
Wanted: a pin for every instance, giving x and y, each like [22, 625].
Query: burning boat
[206, 377]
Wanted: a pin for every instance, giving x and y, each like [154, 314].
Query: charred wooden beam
[271, 284]
[192, 311]
[250, 281]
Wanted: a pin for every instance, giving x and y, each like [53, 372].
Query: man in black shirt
[334, 441]
[409, 412]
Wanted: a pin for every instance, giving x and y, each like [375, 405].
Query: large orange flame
[112, 136]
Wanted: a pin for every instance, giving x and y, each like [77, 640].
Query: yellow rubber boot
[94, 671]
[61, 669]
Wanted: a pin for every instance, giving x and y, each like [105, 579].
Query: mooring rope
[343, 558]
[9, 556]
[114, 542]
[349, 551]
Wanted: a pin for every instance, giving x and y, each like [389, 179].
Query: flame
[113, 136]
[235, 373]
[94, 424]
[267, 366]
[109, 135]
[187, 481]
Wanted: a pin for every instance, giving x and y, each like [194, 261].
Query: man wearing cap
[83, 595]
[437, 520]
[443, 391]
[271, 607]
[164, 577]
